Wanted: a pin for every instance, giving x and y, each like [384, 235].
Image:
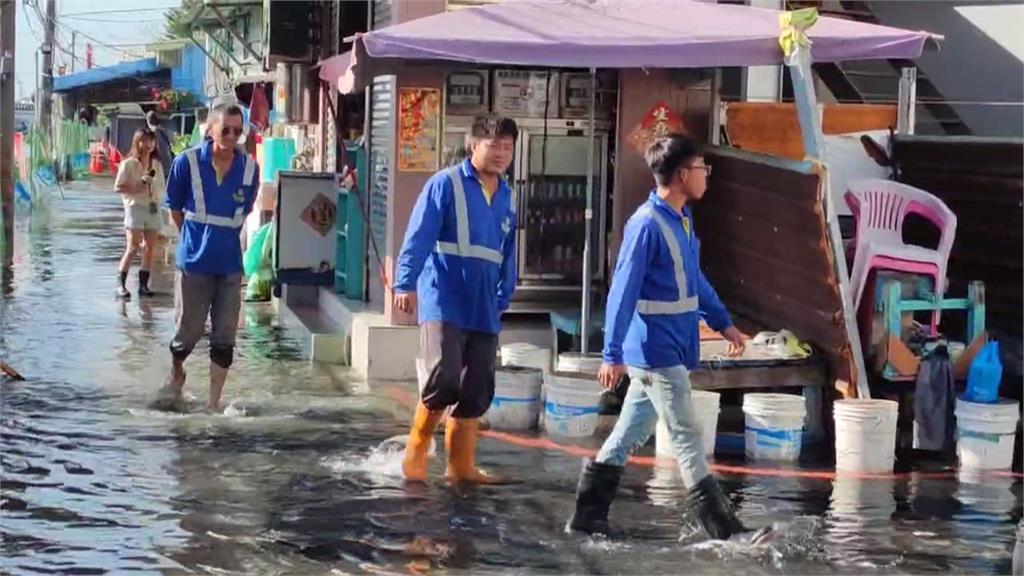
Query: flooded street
[294, 479]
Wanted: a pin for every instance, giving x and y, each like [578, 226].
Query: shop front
[590, 86]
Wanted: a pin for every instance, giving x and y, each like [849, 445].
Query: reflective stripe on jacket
[659, 293]
[459, 251]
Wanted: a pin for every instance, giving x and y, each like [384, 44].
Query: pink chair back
[880, 208]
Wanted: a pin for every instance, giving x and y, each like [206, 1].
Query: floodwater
[294, 479]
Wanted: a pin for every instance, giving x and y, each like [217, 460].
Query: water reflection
[294, 478]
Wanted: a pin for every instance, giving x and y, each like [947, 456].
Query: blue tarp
[105, 74]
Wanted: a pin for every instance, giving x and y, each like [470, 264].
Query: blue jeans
[658, 393]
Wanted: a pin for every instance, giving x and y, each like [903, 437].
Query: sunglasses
[231, 131]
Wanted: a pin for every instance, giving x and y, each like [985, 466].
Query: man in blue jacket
[657, 296]
[458, 269]
[211, 190]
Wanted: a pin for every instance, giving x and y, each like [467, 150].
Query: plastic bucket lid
[577, 362]
[706, 399]
[576, 385]
[866, 410]
[769, 404]
[1005, 410]
[525, 354]
[518, 382]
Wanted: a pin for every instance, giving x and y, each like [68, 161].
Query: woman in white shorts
[140, 180]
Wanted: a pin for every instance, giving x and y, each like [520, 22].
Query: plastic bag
[254, 254]
[258, 289]
[985, 375]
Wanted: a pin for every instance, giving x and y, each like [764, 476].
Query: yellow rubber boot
[414, 465]
[460, 439]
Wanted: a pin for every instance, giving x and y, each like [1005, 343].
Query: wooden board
[812, 374]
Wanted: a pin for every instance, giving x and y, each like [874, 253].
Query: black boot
[594, 495]
[144, 283]
[122, 291]
[714, 510]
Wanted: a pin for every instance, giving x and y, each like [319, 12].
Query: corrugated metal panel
[382, 130]
[765, 249]
[980, 179]
[381, 16]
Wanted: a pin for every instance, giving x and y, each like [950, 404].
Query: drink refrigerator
[549, 182]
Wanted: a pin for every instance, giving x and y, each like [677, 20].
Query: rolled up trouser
[197, 296]
[456, 367]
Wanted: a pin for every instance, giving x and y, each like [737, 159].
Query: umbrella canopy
[628, 34]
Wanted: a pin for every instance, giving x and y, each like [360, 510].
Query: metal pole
[799, 66]
[7, 45]
[907, 101]
[589, 220]
[49, 29]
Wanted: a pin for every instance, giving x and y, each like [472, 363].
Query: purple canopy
[627, 34]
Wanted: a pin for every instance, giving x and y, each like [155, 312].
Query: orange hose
[405, 397]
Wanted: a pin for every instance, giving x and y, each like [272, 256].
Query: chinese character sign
[658, 122]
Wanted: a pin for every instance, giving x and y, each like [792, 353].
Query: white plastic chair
[880, 208]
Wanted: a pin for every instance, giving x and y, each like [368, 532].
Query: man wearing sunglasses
[211, 190]
[657, 297]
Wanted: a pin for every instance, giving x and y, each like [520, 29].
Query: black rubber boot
[144, 283]
[122, 291]
[594, 494]
[714, 510]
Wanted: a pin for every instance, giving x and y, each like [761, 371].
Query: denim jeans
[658, 393]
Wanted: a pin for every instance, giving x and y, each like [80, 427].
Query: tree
[179, 20]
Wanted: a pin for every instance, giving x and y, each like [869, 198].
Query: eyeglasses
[231, 131]
[705, 167]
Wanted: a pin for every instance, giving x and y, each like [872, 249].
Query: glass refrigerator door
[453, 148]
[554, 189]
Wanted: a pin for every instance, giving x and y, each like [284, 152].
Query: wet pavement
[294, 479]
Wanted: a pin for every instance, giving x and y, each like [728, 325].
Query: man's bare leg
[177, 383]
[218, 375]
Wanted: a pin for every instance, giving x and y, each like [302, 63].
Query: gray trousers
[198, 296]
[456, 367]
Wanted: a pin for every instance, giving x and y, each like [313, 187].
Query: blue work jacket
[649, 323]
[459, 251]
[214, 211]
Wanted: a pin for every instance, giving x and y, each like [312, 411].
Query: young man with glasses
[657, 297]
[211, 190]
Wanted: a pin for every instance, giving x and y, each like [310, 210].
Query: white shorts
[142, 217]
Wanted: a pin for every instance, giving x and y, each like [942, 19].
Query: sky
[135, 22]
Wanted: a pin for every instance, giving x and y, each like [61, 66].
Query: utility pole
[46, 102]
[7, 18]
[74, 37]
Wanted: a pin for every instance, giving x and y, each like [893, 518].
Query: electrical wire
[98, 41]
[121, 11]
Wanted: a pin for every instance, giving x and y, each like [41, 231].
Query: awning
[626, 34]
[331, 69]
[92, 76]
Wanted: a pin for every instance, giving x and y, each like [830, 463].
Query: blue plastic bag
[985, 375]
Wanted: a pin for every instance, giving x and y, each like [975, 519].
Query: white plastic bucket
[516, 404]
[865, 435]
[579, 363]
[572, 405]
[985, 434]
[774, 426]
[706, 408]
[527, 356]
